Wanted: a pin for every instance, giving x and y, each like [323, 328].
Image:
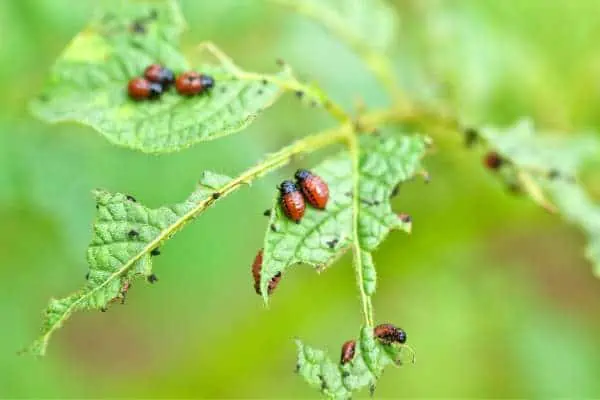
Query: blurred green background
[495, 295]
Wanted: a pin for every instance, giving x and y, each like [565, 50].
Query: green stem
[292, 84]
[354, 151]
[308, 91]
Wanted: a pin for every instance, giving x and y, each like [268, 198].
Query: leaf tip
[403, 223]
[37, 348]
[266, 298]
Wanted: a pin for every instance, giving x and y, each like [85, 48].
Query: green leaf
[88, 83]
[339, 381]
[125, 234]
[549, 165]
[369, 24]
[324, 235]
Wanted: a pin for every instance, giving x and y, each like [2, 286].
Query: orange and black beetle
[348, 350]
[256, 272]
[192, 83]
[188, 83]
[292, 201]
[159, 74]
[314, 188]
[142, 89]
[389, 334]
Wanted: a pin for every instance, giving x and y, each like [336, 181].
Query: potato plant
[381, 150]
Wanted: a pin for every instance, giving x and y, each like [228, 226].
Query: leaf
[362, 23]
[88, 83]
[578, 208]
[125, 234]
[531, 151]
[324, 235]
[339, 381]
[549, 164]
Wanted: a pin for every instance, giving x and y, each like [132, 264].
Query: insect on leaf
[339, 381]
[324, 235]
[125, 236]
[88, 83]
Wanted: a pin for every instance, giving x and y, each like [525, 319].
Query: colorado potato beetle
[388, 334]
[314, 188]
[292, 201]
[142, 89]
[188, 83]
[192, 83]
[159, 74]
[348, 350]
[256, 272]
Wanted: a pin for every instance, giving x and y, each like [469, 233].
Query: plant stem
[289, 83]
[310, 92]
[354, 150]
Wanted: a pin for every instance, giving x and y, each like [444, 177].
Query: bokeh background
[495, 295]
